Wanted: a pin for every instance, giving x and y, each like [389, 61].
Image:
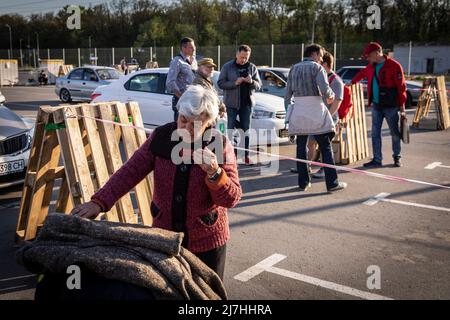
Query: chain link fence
[262, 55]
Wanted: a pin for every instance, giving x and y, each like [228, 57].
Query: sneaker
[305, 188]
[397, 162]
[319, 174]
[339, 187]
[373, 164]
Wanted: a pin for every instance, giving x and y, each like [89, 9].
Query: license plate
[11, 167]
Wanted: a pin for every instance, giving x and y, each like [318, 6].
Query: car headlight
[262, 114]
[30, 134]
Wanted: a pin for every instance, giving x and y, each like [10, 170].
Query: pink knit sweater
[203, 199]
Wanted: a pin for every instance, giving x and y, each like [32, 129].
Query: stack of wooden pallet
[73, 154]
[351, 144]
[64, 69]
[434, 93]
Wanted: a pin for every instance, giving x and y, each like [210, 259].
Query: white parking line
[15, 278]
[383, 197]
[435, 165]
[12, 288]
[267, 265]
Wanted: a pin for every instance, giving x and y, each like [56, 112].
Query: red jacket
[390, 76]
[206, 202]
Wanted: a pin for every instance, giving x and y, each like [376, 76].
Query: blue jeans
[324, 142]
[393, 119]
[245, 119]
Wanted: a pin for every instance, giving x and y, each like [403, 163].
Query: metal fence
[269, 55]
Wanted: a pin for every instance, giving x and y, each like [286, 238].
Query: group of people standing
[194, 199]
[239, 79]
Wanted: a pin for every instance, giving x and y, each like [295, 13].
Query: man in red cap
[386, 89]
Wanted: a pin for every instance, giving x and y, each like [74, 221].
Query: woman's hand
[88, 210]
[207, 160]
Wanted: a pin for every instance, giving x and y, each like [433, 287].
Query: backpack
[346, 104]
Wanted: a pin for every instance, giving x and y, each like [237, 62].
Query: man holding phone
[386, 89]
[239, 79]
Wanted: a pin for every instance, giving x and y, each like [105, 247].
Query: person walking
[309, 116]
[239, 79]
[181, 72]
[386, 90]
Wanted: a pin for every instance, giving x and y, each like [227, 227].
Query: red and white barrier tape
[352, 170]
[421, 89]
[319, 164]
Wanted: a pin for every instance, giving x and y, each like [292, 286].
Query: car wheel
[409, 101]
[64, 95]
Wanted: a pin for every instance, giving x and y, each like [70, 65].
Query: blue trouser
[392, 118]
[174, 107]
[245, 118]
[326, 149]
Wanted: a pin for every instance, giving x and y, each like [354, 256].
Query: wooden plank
[84, 188]
[131, 145]
[442, 102]
[64, 203]
[48, 160]
[351, 132]
[27, 191]
[98, 156]
[358, 137]
[133, 110]
[364, 123]
[114, 161]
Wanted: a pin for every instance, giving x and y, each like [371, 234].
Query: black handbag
[388, 96]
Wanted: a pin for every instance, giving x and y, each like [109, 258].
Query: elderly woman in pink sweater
[193, 186]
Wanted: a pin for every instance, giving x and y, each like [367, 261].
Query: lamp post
[37, 44]
[21, 56]
[10, 41]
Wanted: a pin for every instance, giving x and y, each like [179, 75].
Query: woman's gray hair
[197, 100]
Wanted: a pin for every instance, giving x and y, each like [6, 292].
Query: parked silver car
[81, 82]
[16, 134]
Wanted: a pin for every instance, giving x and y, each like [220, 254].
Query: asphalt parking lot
[290, 245]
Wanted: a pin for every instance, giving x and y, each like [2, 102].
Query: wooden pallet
[433, 93]
[351, 143]
[82, 153]
[64, 69]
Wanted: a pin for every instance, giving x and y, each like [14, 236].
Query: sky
[27, 7]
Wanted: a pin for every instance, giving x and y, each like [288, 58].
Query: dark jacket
[231, 92]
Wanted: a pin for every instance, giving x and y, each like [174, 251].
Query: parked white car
[148, 88]
[16, 134]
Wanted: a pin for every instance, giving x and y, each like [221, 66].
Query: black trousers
[215, 259]
[174, 107]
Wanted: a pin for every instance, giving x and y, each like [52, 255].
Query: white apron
[309, 116]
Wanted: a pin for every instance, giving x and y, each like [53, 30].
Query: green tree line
[145, 23]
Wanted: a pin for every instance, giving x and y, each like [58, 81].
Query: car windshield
[108, 74]
[282, 74]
